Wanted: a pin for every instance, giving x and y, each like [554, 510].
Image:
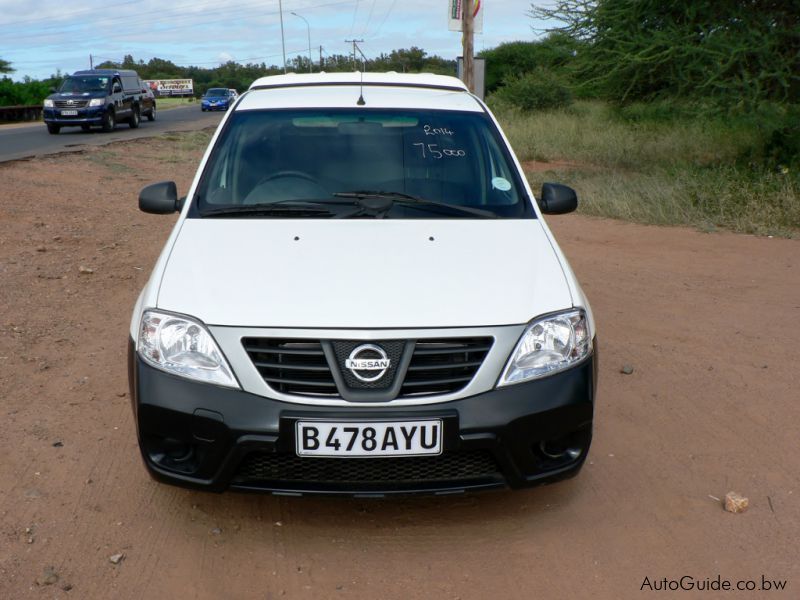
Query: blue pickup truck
[100, 97]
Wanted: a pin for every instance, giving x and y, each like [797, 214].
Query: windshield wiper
[292, 208]
[380, 209]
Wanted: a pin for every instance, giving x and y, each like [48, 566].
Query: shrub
[538, 90]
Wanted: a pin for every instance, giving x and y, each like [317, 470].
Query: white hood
[363, 273]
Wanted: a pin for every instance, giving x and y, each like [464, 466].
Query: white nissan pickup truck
[361, 296]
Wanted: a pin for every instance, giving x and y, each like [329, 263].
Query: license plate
[360, 438]
[69, 113]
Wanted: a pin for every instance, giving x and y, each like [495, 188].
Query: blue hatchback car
[216, 99]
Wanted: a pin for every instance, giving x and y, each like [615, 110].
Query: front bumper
[86, 116]
[208, 437]
[223, 106]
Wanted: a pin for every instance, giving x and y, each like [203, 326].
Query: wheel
[53, 129]
[134, 120]
[151, 116]
[202, 109]
[85, 127]
[109, 120]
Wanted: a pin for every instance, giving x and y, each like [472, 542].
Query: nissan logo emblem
[368, 362]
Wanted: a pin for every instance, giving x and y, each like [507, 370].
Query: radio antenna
[361, 101]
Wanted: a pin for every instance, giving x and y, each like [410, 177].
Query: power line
[388, 12]
[369, 18]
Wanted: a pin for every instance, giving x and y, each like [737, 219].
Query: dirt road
[709, 323]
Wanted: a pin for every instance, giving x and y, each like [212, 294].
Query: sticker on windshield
[501, 184]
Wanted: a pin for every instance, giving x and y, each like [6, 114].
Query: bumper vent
[299, 366]
[262, 469]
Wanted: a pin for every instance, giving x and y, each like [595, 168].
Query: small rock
[58, 444]
[28, 530]
[626, 369]
[122, 394]
[41, 249]
[735, 503]
[49, 576]
[85, 270]
[216, 531]
[56, 238]
[30, 540]
[115, 559]
[278, 523]
[66, 587]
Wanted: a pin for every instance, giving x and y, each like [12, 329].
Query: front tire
[134, 120]
[53, 129]
[151, 116]
[109, 120]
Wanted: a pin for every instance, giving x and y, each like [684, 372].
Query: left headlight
[548, 345]
[96, 102]
[182, 346]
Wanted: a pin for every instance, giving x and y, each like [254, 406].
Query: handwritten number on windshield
[433, 151]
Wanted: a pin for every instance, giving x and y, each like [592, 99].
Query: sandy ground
[708, 322]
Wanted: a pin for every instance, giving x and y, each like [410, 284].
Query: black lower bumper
[208, 437]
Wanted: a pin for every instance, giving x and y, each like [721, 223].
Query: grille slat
[472, 363]
[299, 366]
[290, 367]
[71, 103]
[449, 349]
[432, 382]
[273, 470]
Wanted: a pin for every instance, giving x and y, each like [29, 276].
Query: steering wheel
[282, 174]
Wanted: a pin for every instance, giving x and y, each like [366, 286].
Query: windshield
[80, 84]
[410, 159]
[217, 92]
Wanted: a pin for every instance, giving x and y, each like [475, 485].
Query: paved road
[24, 141]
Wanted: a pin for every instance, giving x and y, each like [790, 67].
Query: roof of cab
[343, 90]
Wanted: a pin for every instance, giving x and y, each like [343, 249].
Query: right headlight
[183, 346]
[548, 345]
[48, 103]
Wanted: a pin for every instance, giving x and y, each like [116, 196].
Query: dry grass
[687, 172]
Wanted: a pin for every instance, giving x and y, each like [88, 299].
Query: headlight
[96, 102]
[182, 346]
[48, 103]
[549, 344]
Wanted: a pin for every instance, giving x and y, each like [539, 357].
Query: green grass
[686, 171]
[166, 103]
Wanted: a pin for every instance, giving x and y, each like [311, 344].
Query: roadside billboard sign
[455, 9]
[171, 87]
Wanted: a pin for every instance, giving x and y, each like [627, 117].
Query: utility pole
[468, 44]
[354, 50]
[320, 58]
[91, 62]
[283, 39]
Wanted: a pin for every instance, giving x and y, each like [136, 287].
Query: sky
[49, 35]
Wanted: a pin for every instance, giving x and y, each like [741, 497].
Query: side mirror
[557, 199]
[160, 198]
[116, 88]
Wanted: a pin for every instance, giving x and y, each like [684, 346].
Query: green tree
[5, 66]
[734, 51]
